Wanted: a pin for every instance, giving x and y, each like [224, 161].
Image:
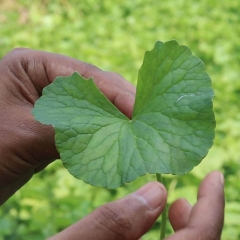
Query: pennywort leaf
[171, 131]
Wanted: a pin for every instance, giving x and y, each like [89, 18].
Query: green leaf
[171, 130]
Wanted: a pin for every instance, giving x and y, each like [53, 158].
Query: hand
[132, 216]
[27, 146]
[205, 219]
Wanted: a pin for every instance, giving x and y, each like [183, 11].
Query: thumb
[127, 218]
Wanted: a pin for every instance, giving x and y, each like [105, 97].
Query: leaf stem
[164, 213]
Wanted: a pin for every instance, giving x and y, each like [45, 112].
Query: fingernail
[221, 178]
[151, 194]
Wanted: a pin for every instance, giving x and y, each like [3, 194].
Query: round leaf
[171, 130]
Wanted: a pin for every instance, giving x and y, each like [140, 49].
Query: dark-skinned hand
[27, 147]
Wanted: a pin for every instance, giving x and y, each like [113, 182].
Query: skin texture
[27, 147]
[129, 218]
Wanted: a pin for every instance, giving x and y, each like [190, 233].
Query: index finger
[41, 68]
[207, 215]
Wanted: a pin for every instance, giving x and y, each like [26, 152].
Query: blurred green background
[114, 36]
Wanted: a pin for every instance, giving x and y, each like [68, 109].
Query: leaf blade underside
[171, 131]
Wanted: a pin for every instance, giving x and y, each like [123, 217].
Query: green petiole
[164, 213]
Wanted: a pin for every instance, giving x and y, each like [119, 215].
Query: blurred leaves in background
[114, 36]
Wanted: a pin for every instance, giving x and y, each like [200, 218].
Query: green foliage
[113, 35]
[171, 130]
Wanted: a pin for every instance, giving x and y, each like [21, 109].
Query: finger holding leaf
[171, 130]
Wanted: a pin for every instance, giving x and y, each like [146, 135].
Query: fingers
[206, 218]
[43, 67]
[127, 218]
[24, 73]
[179, 213]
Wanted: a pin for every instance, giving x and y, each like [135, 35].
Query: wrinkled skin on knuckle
[16, 56]
[114, 220]
[16, 51]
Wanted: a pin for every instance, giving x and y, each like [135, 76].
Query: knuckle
[116, 78]
[17, 50]
[90, 68]
[115, 220]
[115, 75]
[16, 54]
[121, 83]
